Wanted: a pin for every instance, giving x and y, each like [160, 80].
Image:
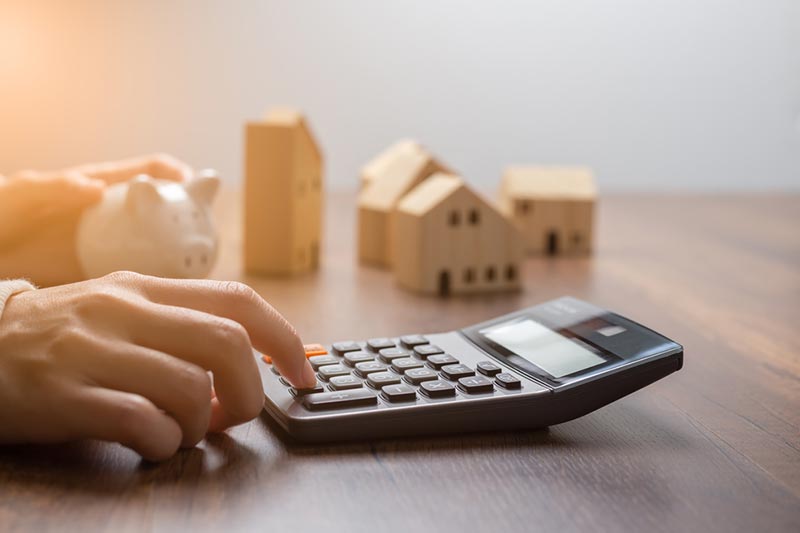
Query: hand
[39, 213]
[126, 358]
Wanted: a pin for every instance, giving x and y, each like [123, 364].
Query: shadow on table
[227, 463]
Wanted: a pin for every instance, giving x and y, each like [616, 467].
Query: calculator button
[322, 360]
[368, 367]
[487, 368]
[345, 382]
[399, 393]
[328, 371]
[401, 365]
[275, 371]
[378, 379]
[415, 376]
[428, 349]
[455, 372]
[409, 341]
[439, 360]
[300, 392]
[339, 399]
[437, 389]
[351, 358]
[314, 349]
[387, 355]
[508, 381]
[475, 384]
[380, 344]
[343, 347]
[267, 359]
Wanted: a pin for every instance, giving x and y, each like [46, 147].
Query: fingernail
[309, 377]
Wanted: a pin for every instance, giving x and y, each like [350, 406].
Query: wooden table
[715, 447]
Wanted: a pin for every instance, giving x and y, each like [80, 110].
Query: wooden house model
[282, 195]
[446, 240]
[397, 175]
[552, 206]
[377, 165]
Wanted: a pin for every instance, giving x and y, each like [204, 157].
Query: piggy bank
[156, 227]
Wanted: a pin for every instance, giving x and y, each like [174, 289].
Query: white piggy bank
[151, 226]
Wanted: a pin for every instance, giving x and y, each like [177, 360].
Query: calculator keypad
[398, 371]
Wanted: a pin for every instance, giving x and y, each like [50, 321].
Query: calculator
[534, 368]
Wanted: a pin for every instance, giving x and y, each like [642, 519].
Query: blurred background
[660, 95]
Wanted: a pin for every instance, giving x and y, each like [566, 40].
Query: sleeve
[10, 288]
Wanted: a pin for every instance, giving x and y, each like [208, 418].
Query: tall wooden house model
[552, 206]
[283, 195]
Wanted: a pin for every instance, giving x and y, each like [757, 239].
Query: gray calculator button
[455, 372]
[410, 341]
[275, 370]
[487, 368]
[401, 365]
[439, 360]
[508, 381]
[387, 355]
[415, 376]
[379, 379]
[301, 392]
[368, 367]
[339, 399]
[345, 382]
[343, 347]
[399, 393]
[475, 384]
[426, 350]
[328, 371]
[351, 358]
[322, 360]
[437, 389]
[380, 344]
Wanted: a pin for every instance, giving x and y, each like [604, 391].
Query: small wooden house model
[398, 175]
[552, 206]
[282, 195]
[447, 240]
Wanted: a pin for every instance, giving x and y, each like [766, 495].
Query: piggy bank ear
[203, 188]
[142, 191]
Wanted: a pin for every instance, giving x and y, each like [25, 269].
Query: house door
[444, 283]
[552, 243]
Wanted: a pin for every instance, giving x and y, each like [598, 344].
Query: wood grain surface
[715, 447]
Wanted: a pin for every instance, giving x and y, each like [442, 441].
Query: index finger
[269, 331]
[159, 166]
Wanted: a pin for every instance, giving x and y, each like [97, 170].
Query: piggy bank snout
[197, 257]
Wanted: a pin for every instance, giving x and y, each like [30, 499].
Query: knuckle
[232, 334]
[239, 291]
[69, 340]
[123, 277]
[195, 385]
[132, 415]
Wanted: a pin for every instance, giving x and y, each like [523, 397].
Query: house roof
[556, 182]
[430, 193]
[284, 116]
[397, 178]
[380, 162]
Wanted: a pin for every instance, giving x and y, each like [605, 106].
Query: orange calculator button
[267, 359]
[314, 349]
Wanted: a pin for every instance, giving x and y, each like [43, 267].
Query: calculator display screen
[550, 351]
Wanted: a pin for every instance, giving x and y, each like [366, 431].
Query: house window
[511, 273]
[301, 255]
[474, 217]
[455, 218]
[490, 273]
[469, 275]
[576, 238]
[524, 207]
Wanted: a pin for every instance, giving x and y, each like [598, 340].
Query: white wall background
[654, 94]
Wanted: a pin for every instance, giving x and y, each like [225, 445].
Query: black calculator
[530, 369]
